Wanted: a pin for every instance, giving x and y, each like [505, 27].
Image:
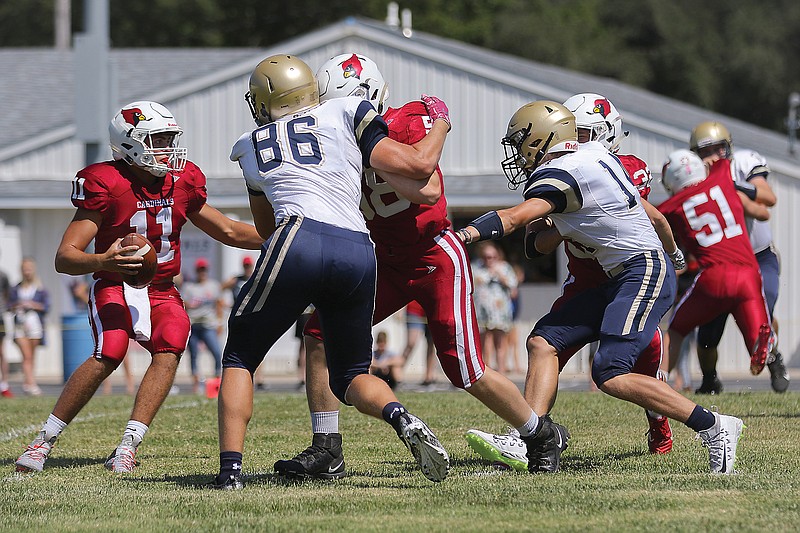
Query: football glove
[678, 260]
[437, 109]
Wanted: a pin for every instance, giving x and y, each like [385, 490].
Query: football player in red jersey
[419, 258]
[712, 141]
[596, 119]
[152, 189]
[708, 215]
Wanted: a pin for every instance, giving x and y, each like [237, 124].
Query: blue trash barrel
[77, 342]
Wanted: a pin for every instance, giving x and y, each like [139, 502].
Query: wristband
[489, 226]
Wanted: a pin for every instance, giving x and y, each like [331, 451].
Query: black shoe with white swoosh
[322, 460]
[545, 447]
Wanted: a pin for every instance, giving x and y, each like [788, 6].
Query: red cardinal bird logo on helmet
[133, 116]
[352, 67]
[602, 106]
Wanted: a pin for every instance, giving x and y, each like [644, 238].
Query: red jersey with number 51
[708, 219]
[393, 220]
[127, 205]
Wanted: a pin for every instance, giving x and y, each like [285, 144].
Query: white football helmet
[352, 75]
[597, 114]
[130, 137]
[682, 169]
[535, 130]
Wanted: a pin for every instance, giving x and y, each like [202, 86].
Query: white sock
[654, 415]
[527, 429]
[325, 422]
[3, 386]
[137, 430]
[53, 427]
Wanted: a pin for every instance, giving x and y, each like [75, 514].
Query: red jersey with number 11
[158, 211]
[708, 219]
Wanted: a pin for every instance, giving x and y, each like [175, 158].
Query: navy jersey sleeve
[558, 187]
[370, 128]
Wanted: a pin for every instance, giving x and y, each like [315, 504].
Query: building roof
[38, 89]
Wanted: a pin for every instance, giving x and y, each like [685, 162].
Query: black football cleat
[322, 460]
[779, 378]
[232, 482]
[709, 386]
[545, 447]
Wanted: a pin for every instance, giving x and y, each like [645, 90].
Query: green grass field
[609, 481]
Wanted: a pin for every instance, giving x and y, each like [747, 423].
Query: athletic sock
[136, 430]
[392, 412]
[325, 422]
[700, 419]
[530, 427]
[53, 427]
[230, 464]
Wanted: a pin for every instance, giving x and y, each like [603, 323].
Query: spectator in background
[416, 328]
[495, 280]
[513, 333]
[235, 283]
[29, 301]
[386, 364]
[203, 300]
[5, 288]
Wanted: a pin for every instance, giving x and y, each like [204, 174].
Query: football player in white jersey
[597, 119]
[712, 141]
[584, 191]
[302, 166]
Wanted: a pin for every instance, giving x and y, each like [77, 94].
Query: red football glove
[437, 109]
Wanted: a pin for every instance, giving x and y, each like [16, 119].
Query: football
[149, 261]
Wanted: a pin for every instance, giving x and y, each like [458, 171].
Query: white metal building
[39, 151]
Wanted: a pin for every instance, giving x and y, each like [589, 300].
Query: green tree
[741, 59]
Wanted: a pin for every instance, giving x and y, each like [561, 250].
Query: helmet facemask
[516, 166]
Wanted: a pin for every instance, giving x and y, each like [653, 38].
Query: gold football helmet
[536, 129]
[281, 85]
[710, 134]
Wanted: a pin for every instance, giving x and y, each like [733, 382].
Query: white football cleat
[721, 440]
[431, 456]
[508, 449]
